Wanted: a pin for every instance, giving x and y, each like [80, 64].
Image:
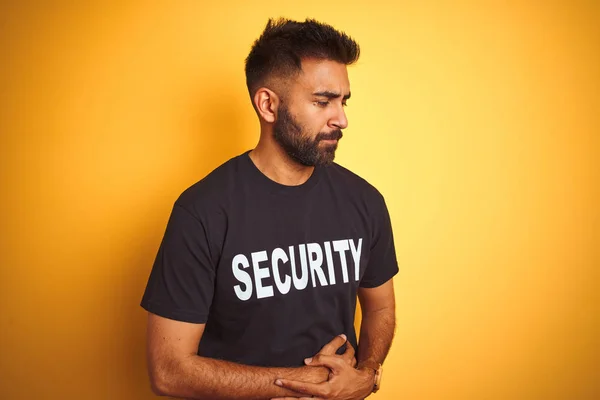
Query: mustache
[333, 135]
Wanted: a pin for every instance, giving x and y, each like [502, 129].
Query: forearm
[205, 378]
[376, 334]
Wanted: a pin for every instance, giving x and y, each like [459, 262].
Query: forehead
[323, 75]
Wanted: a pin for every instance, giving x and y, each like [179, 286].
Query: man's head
[297, 79]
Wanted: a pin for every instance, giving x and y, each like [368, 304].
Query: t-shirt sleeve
[181, 282]
[382, 260]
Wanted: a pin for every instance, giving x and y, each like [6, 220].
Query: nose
[339, 120]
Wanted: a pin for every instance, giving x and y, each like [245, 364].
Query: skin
[315, 99]
[176, 370]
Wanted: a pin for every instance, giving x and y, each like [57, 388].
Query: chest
[276, 249]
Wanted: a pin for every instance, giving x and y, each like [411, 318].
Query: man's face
[310, 121]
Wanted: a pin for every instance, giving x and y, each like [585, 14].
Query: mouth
[329, 141]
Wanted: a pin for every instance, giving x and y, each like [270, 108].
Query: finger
[353, 364]
[348, 355]
[298, 398]
[335, 363]
[314, 389]
[333, 345]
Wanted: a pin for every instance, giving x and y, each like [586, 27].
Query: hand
[331, 348]
[322, 373]
[345, 383]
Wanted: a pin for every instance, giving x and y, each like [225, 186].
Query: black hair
[284, 43]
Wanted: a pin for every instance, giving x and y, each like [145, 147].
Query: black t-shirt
[271, 269]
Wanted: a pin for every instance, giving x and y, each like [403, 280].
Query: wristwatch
[378, 368]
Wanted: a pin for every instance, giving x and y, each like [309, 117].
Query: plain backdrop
[477, 120]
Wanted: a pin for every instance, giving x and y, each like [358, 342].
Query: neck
[277, 165]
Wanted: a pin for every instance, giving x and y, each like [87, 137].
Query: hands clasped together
[344, 382]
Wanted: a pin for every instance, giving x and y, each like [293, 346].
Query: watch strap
[377, 368]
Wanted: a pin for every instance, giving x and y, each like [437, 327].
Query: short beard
[289, 134]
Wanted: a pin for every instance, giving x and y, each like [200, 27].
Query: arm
[176, 370]
[378, 322]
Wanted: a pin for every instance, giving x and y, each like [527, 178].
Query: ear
[266, 102]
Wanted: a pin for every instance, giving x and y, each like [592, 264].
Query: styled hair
[284, 43]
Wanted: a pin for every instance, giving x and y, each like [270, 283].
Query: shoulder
[211, 191]
[352, 183]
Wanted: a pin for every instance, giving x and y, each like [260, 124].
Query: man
[253, 291]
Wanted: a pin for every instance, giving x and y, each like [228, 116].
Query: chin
[326, 159]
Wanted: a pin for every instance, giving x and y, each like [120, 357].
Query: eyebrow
[332, 95]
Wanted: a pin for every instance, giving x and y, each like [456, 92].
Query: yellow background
[478, 121]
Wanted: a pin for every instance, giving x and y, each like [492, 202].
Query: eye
[322, 103]
[344, 104]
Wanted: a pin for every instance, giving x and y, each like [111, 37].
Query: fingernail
[278, 382]
[343, 336]
[308, 360]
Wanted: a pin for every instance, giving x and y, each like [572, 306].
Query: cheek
[313, 119]
[317, 122]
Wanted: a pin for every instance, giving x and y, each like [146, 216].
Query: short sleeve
[181, 283]
[382, 264]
